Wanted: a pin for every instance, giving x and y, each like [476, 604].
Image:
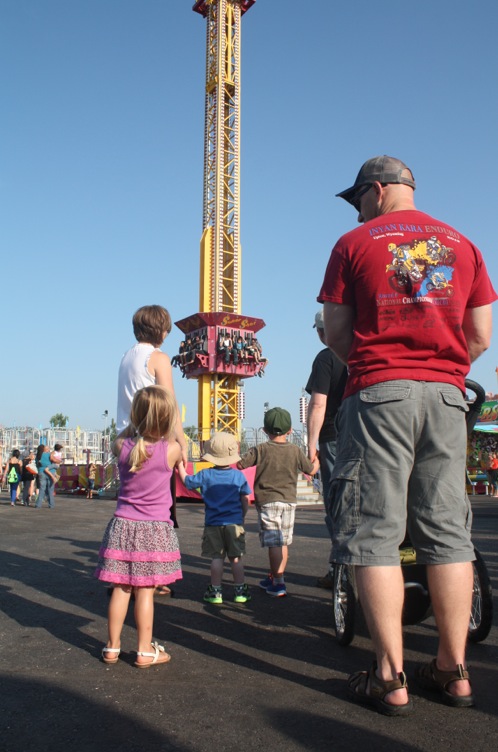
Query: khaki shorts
[276, 523]
[219, 541]
[401, 457]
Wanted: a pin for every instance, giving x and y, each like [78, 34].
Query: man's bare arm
[314, 422]
[339, 334]
[477, 327]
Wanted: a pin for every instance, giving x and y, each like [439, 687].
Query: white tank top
[133, 375]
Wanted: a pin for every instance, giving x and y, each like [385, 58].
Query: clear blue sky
[101, 162]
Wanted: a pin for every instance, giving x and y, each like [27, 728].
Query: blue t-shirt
[46, 464]
[221, 491]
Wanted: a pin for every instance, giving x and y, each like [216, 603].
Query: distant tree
[111, 430]
[192, 432]
[58, 420]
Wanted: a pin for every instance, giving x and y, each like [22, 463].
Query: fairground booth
[482, 441]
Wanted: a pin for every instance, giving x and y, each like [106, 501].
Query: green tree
[244, 446]
[111, 431]
[59, 420]
[192, 432]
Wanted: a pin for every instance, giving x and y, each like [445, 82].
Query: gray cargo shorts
[401, 457]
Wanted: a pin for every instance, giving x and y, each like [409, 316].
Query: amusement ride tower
[220, 346]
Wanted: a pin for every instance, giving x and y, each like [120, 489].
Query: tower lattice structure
[220, 319]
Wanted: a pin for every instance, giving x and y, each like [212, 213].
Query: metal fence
[82, 446]
[250, 437]
[79, 445]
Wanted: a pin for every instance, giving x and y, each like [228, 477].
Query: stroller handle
[475, 406]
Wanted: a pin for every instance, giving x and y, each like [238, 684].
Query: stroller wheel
[344, 603]
[481, 615]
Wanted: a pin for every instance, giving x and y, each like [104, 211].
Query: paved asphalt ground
[263, 676]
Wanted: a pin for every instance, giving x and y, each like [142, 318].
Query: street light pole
[104, 450]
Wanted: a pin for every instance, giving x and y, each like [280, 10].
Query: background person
[12, 473]
[326, 387]
[401, 458]
[144, 365]
[28, 478]
[90, 474]
[489, 463]
[56, 459]
[46, 476]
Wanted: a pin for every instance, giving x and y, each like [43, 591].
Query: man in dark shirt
[326, 386]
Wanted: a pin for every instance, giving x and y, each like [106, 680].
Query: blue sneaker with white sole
[277, 589]
[266, 583]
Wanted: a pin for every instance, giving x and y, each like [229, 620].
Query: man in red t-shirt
[407, 305]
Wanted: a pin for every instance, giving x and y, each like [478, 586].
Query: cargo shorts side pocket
[454, 398]
[345, 496]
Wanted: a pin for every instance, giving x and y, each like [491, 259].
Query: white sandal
[158, 649]
[115, 651]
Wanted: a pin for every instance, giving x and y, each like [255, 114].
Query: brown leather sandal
[429, 676]
[359, 682]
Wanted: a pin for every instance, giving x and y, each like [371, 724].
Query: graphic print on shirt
[422, 267]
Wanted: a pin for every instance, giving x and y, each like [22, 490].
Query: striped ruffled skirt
[140, 553]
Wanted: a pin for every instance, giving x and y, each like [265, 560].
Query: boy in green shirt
[278, 464]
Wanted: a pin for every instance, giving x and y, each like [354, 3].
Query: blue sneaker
[277, 589]
[266, 583]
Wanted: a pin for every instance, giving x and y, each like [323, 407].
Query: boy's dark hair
[58, 447]
[150, 323]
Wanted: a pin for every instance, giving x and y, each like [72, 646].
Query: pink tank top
[145, 495]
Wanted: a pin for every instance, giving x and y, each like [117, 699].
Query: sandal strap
[155, 655]
[111, 650]
[444, 678]
[380, 688]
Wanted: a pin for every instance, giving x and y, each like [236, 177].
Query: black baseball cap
[382, 169]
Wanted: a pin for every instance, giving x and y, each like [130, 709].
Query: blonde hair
[153, 416]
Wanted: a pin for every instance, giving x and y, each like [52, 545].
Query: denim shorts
[219, 541]
[276, 523]
[401, 457]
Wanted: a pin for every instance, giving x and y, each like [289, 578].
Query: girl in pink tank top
[140, 550]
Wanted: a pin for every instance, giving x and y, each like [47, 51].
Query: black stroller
[417, 604]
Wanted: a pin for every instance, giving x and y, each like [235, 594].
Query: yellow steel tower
[220, 263]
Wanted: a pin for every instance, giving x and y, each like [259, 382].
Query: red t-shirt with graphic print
[409, 279]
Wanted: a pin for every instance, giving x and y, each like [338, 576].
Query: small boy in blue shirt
[225, 492]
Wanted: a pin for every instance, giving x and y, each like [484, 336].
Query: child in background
[52, 462]
[140, 548]
[225, 492]
[90, 474]
[144, 365]
[56, 460]
[275, 490]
